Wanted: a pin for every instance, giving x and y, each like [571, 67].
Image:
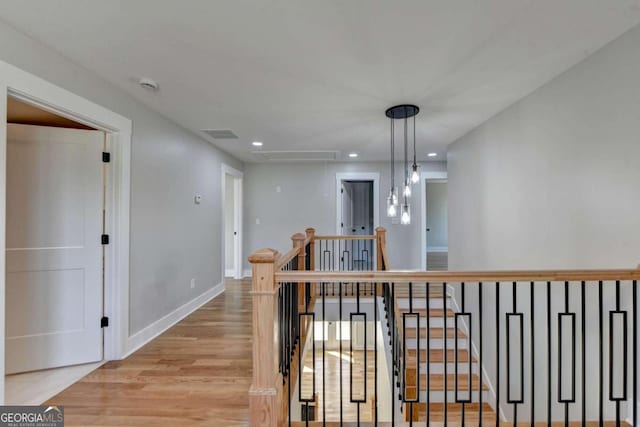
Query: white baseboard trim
[140, 338]
[246, 273]
[229, 272]
[437, 249]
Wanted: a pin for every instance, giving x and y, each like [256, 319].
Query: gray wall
[554, 182]
[172, 239]
[437, 218]
[308, 199]
[228, 223]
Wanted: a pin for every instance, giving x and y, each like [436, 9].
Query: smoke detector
[149, 84]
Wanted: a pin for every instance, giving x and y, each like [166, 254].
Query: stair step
[436, 382]
[421, 303]
[437, 356]
[435, 291]
[434, 312]
[435, 333]
[454, 412]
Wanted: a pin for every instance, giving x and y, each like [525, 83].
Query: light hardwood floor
[332, 373]
[197, 373]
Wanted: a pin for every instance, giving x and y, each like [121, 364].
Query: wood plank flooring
[331, 372]
[197, 373]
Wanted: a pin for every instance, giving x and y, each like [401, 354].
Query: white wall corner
[142, 337]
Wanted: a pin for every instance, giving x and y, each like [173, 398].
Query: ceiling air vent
[296, 156]
[220, 133]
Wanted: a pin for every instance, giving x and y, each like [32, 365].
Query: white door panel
[54, 255]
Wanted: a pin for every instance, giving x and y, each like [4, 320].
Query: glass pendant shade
[415, 177]
[407, 189]
[394, 196]
[392, 210]
[405, 215]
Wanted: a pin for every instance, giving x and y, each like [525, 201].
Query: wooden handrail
[348, 237]
[406, 276]
[286, 257]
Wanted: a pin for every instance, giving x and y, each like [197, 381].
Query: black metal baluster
[497, 354]
[601, 359]
[520, 317]
[549, 354]
[584, 352]
[456, 356]
[391, 314]
[301, 398]
[612, 314]
[339, 327]
[375, 357]
[325, 330]
[634, 303]
[480, 309]
[572, 316]
[444, 317]
[351, 355]
[289, 351]
[533, 352]
[428, 317]
[332, 260]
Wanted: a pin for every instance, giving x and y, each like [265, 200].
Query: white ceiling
[318, 75]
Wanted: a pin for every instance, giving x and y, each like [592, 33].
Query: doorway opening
[357, 214]
[114, 338]
[357, 208]
[435, 234]
[232, 221]
[54, 277]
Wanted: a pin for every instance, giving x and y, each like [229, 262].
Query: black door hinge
[341, 190]
[106, 157]
[104, 322]
[105, 239]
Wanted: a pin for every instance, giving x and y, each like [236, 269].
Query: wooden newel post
[264, 398]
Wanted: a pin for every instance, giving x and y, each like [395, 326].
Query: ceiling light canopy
[432, 154]
[149, 84]
[353, 155]
[257, 144]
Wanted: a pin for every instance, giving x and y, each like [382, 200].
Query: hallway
[197, 373]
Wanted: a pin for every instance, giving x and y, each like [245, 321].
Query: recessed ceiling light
[432, 154]
[353, 155]
[256, 144]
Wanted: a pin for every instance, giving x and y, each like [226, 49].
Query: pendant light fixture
[415, 177]
[406, 192]
[402, 112]
[392, 199]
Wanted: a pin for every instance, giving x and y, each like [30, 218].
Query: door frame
[358, 176]
[39, 92]
[424, 177]
[237, 213]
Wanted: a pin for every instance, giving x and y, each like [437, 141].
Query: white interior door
[54, 253]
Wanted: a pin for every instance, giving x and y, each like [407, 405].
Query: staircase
[439, 390]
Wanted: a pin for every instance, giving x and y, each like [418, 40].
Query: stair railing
[283, 312]
[480, 348]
